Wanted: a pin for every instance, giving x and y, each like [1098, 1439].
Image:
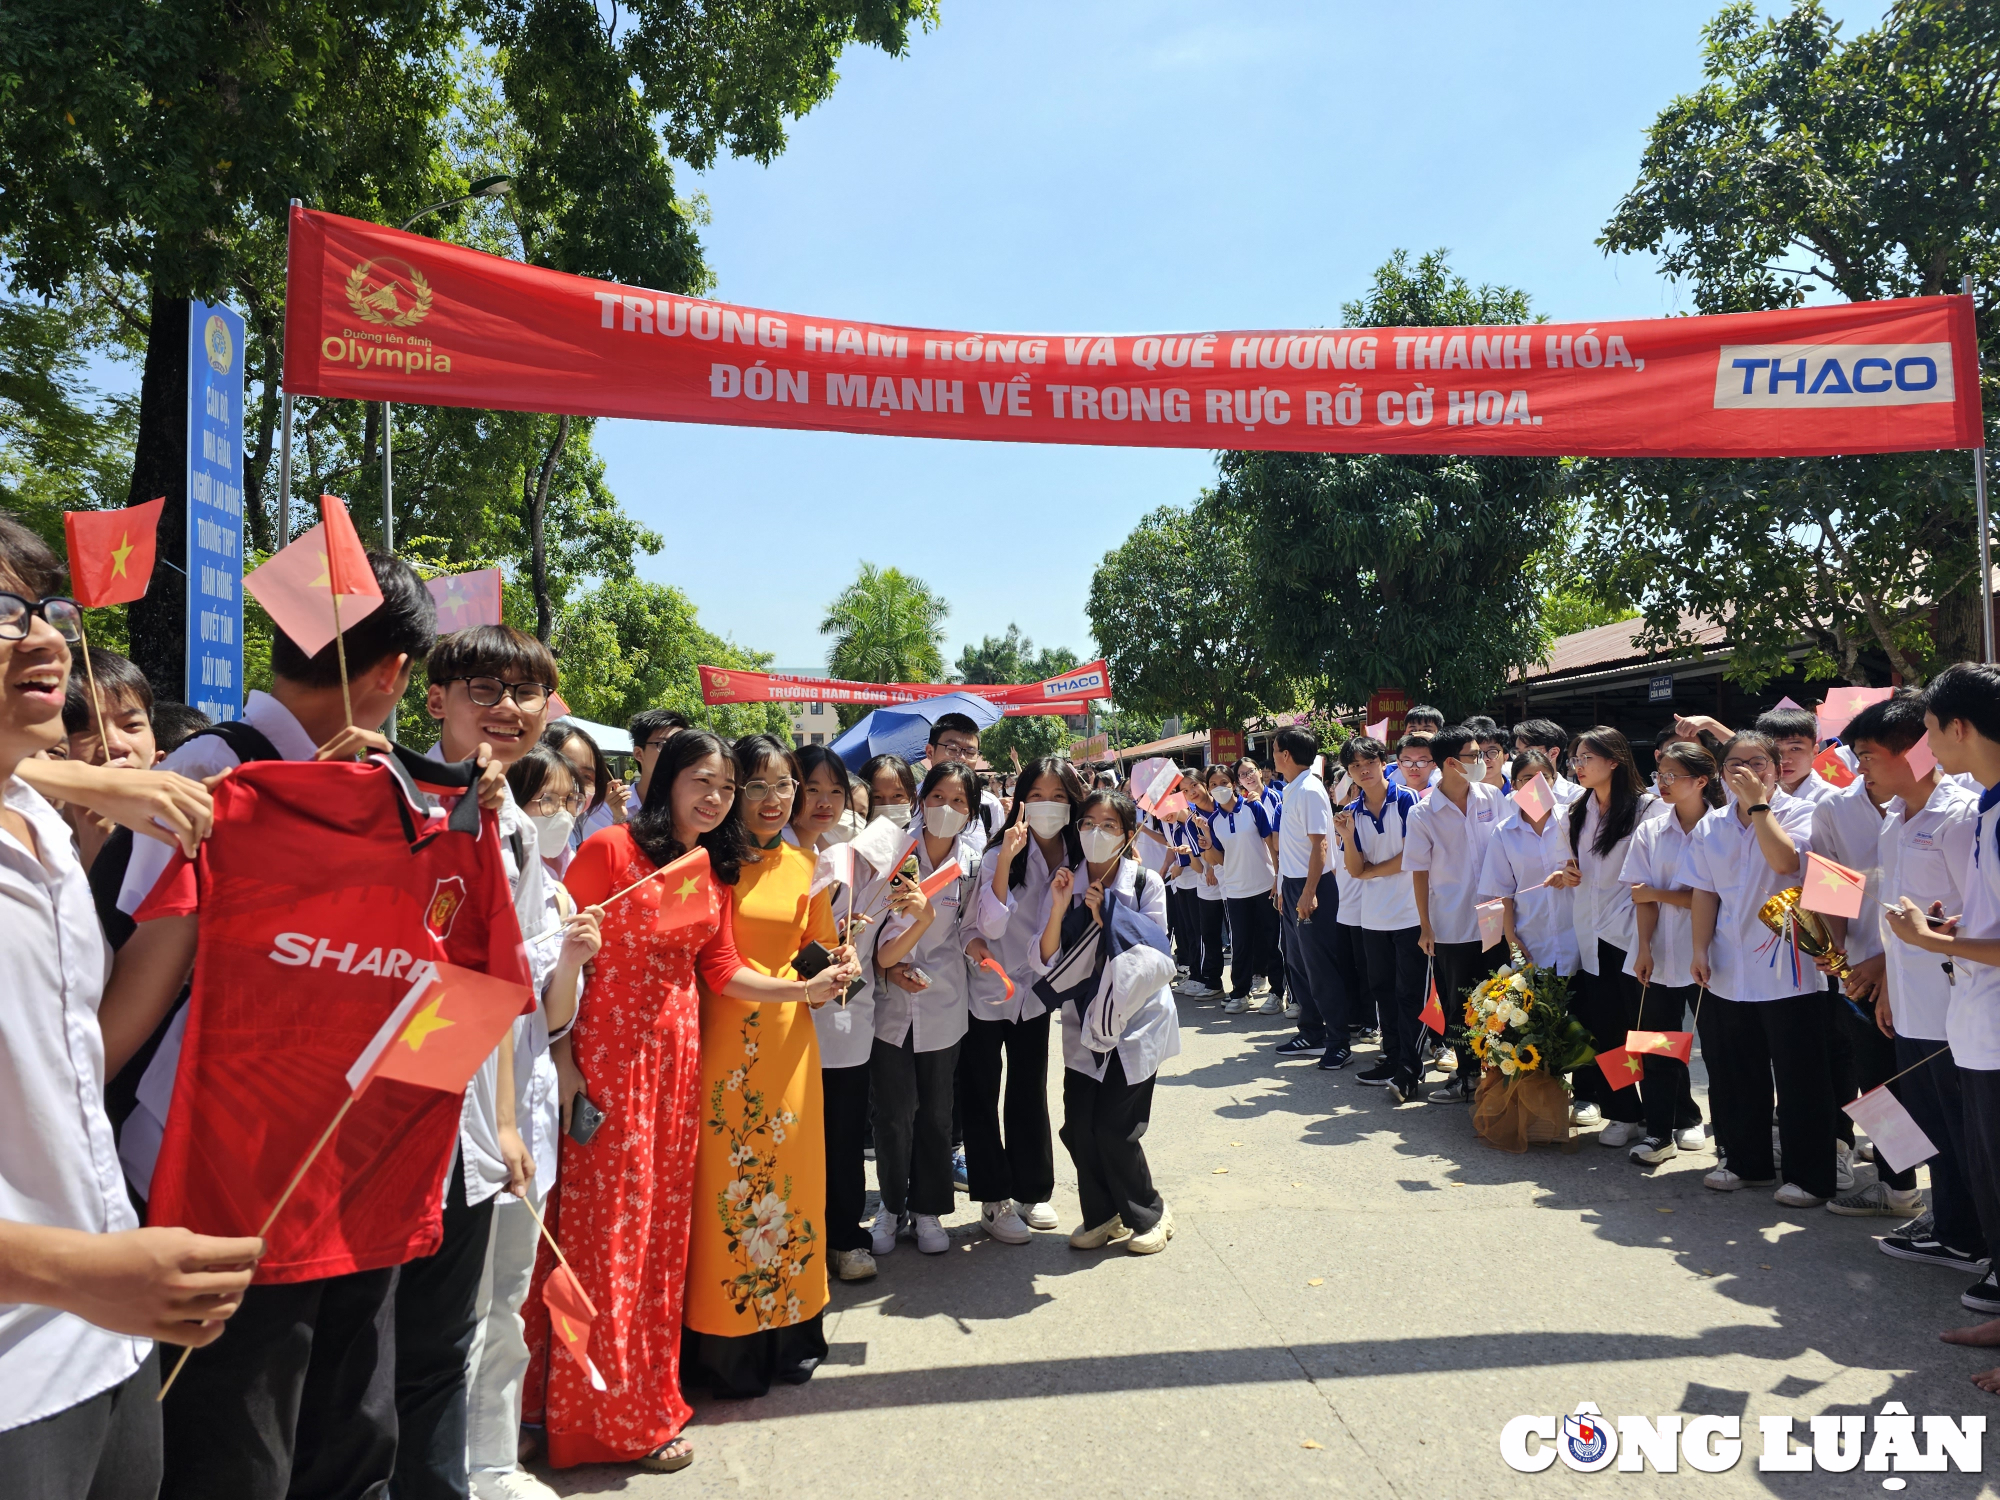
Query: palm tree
[886, 627]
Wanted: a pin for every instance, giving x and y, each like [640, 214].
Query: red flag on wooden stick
[111, 552]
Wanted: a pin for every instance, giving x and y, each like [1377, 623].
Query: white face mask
[1099, 844]
[896, 812]
[552, 832]
[942, 822]
[1475, 770]
[845, 829]
[1047, 818]
[1225, 797]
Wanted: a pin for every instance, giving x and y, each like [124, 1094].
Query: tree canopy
[886, 626]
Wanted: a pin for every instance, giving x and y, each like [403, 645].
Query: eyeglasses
[759, 791]
[488, 691]
[63, 615]
[546, 804]
[1759, 764]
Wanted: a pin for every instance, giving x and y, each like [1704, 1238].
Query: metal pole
[1985, 530]
[285, 476]
[388, 487]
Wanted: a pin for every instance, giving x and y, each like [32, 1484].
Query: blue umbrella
[905, 729]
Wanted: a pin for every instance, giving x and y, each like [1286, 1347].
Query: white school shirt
[1451, 847]
[1816, 789]
[1246, 859]
[1388, 902]
[1925, 857]
[1348, 886]
[1152, 1033]
[1972, 1025]
[1180, 837]
[1657, 856]
[1013, 931]
[1518, 861]
[1308, 811]
[847, 1032]
[1602, 905]
[58, 1163]
[1207, 877]
[1725, 858]
[936, 1014]
[201, 756]
[1847, 828]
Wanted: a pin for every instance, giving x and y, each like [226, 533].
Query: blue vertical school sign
[215, 511]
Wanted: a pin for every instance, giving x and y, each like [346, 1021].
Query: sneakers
[1922, 1227]
[1585, 1115]
[1926, 1251]
[931, 1238]
[853, 1265]
[1618, 1133]
[882, 1234]
[1298, 1046]
[1877, 1200]
[1291, 1010]
[1236, 1005]
[1199, 990]
[1651, 1151]
[1378, 1075]
[1261, 985]
[1110, 1232]
[1335, 1059]
[1725, 1181]
[1791, 1195]
[1845, 1178]
[1983, 1296]
[1036, 1215]
[1453, 1093]
[1153, 1240]
[959, 1179]
[1272, 1006]
[1694, 1138]
[515, 1484]
[1405, 1090]
[1001, 1222]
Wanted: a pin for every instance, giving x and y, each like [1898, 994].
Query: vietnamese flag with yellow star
[570, 1315]
[111, 552]
[1831, 888]
[1622, 1068]
[445, 1027]
[1678, 1044]
[298, 584]
[687, 894]
[1433, 1015]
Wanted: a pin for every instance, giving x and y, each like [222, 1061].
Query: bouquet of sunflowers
[1519, 1027]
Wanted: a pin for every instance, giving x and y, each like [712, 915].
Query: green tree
[1171, 609]
[1807, 165]
[1393, 570]
[1027, 737]
[886, 626]
[996, 659]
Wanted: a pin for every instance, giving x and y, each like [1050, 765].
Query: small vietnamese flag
[1379, 730]
[687, 893]
[466, 599]
[833, 867]
[570, 1316]
[1620, 1067]
[1831, 888]
[1492, 918]
[1532, 797]
[297, 584]
[1919, 756]
[1666, 1043]
[1433, 1015]
[448, 1023]
[941, 877]
[1832, 768]
[1842, 704]
[111, 552]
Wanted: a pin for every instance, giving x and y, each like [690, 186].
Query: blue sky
[1128, 167]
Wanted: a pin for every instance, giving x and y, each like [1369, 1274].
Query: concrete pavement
[1358, 1299]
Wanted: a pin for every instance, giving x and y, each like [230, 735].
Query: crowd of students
[680, 1120]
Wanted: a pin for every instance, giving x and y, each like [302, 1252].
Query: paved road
[1359, 1298]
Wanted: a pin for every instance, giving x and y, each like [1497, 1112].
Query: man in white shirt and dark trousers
[1372, 830]
[1310, 902]
[1962, 717]
[1445, 853]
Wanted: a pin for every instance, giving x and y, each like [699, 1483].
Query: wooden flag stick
[90, 677]
[539, 1224]
[271, 1218]
[340, 650]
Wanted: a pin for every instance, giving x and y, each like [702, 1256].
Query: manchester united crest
[447, 896]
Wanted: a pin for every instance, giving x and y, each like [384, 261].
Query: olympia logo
[1587, 1441]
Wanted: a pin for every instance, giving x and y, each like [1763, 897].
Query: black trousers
[844, 1095]
[103, 1448]
[1249, 953]
[913, 1093]
[1184, 927]
[1022, 1163]
[1459, 967]
[1931, 1093]
[436, 1316]
[1208, 930]
[1351, 965]
[297, 1398]
[1606, 1002]
[1979, 1099]
[1872, 1063]
[1666, 1097]
[1318, 988]
[1395, 966]
[1103, 1123]
[1744, 1044]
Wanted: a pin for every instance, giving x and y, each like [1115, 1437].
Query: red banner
[374, 314]
[1068, 694]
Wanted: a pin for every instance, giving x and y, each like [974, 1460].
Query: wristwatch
[1758, 807]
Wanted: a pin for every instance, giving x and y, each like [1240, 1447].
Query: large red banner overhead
[375, 314]
[1067, 694]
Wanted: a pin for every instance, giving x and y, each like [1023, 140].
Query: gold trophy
[1808, 929]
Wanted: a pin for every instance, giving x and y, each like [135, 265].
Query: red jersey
[320, 889]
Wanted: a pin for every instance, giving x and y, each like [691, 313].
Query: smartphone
[584, 1118]
[811, 960]
[920, 976]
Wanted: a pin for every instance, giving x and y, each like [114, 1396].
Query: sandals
[664, 1460]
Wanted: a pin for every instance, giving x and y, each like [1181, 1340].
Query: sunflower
[1479, 1046]
[1528, 1057]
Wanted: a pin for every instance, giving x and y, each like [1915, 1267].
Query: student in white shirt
[1796, 734]
[1445, 853]
[1690, 786]
[1767, 1010]
[1923, 847]
[1108, 1074]
[1371, 830]
[1310, 903]
[1549, 737]
[1962, 717]
[604, 795]
[83, 1290]
[1207, 868]
[1535, 916]
[1349, 962]
[1241, 837]
[1605, 998]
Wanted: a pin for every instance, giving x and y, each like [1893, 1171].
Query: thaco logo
[1832, 375]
